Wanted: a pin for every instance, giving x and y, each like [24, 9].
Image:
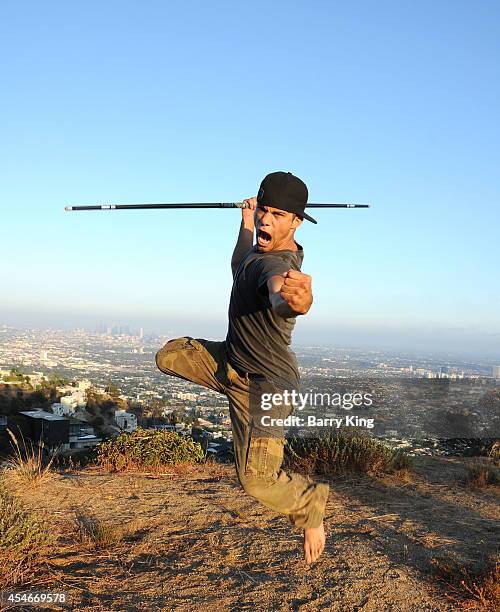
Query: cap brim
[306, 216]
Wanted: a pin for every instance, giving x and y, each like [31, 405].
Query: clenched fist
[297, 291]
[248, 212]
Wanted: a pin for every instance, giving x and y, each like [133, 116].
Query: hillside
[193, 541]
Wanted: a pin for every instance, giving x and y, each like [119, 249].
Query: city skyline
[366, 343]
[409, 396]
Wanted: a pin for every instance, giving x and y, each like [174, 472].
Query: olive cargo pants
[258, 450]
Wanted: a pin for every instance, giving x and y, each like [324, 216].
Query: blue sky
[393, 103]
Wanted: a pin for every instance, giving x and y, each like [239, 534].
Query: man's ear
[296, 221]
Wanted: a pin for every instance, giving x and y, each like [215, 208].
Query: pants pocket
[264, 457]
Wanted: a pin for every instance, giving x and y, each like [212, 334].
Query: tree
[137, 409]
[56, 380]
[101, 405]
[113, 390]
[49, 391]
[157, 408]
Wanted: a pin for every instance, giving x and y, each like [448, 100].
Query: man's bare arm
[245, 236]
[291, 294]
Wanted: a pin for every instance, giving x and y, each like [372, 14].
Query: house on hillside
[126, 421]
[43, 427]
[57, 432]
[64, 408]
[81, 435]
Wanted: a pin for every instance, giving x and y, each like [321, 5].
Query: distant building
[190, 397]
[203, 423]
[37, 378]
[126, 420]
[66, 407]
[496, 372]
[84, 384]
[58, 409]
[57, 432]
[69, 403]
[44, 427]
[81, 435]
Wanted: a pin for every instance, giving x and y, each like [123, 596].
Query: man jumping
[255, 361]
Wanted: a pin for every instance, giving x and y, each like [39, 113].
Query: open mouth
[263, 238]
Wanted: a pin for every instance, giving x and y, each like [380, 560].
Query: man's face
[274, 228]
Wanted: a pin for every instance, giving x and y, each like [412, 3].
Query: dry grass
[27, 466]
[95, 533]
[197, 542]
[470, 589]
[480, 474]
[22, 540]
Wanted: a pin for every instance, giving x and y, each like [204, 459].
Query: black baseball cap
[285, 191]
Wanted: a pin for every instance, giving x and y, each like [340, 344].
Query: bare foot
[314, 542]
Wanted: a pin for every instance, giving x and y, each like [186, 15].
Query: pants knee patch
[180, 344]
[171, 353]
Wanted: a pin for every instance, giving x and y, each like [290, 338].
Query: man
[255, 362]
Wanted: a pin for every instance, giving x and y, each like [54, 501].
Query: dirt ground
[195, 541]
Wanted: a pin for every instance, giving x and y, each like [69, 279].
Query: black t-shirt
[258, 340]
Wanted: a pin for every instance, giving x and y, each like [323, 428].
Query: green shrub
[148, 448]
[22, 538]
[343, 452]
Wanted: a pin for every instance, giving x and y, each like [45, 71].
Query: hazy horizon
[432, 340]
